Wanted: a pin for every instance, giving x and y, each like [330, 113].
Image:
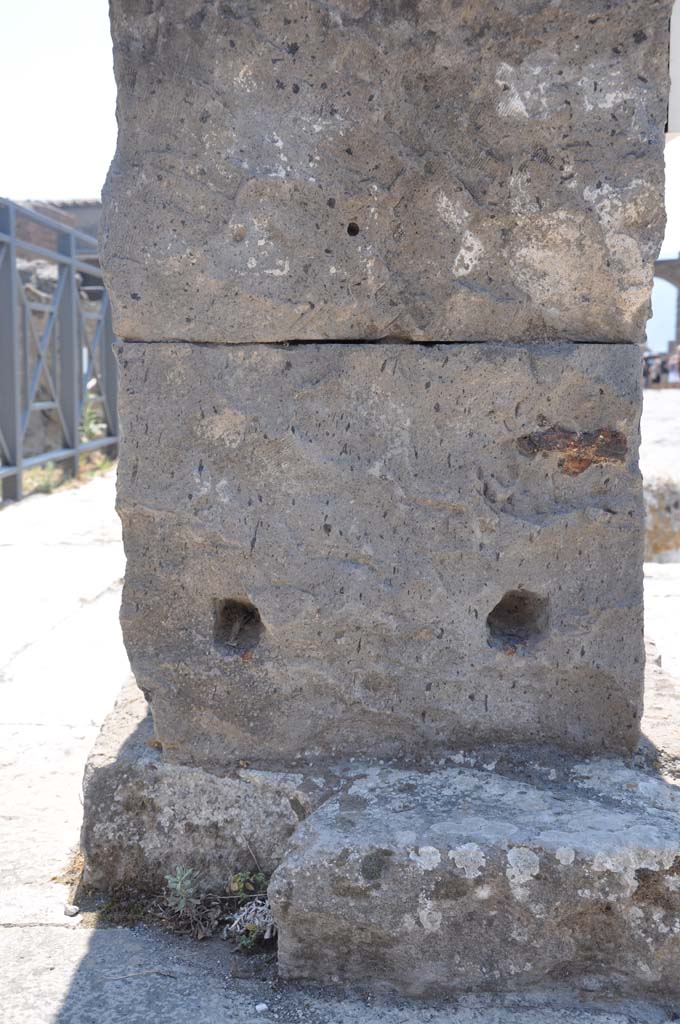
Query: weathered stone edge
[143, 816]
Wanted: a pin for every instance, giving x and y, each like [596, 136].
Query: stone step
[469, 879]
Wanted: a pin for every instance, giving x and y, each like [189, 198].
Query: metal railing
[58, 377]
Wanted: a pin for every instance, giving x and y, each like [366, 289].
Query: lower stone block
[467, 878]
[143, 816]
[382, 550]
[499, 869]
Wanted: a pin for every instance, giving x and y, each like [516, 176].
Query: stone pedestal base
[465, 878]
[494, 870]
[142, 815]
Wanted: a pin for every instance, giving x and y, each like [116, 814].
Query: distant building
[82, 214]
[669, 270]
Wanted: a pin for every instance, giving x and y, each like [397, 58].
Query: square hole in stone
[238, 626]
[519, 619]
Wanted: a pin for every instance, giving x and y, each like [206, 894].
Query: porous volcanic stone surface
[422, 169]
[463, 878]
[376, 504]
[142, 816]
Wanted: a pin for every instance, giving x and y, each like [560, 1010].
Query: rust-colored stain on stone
[591, 447]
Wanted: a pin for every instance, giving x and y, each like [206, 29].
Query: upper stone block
[421, 169]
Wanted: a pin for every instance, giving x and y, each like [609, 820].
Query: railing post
[70, 350]
[10, 357]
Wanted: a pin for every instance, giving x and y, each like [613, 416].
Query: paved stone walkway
[660, 458]
[62, 664]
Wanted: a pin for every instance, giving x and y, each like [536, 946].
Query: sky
[57, 111]
[661, 328]
[58, 125]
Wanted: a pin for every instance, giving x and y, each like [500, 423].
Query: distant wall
[674, 100]
[81, 214]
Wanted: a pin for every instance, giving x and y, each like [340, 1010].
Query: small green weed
[92, 424]
[240, 910]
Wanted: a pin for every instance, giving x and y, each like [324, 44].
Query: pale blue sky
[58, 127]
[661, 328]
[57, 112]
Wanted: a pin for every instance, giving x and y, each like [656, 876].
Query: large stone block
[467, 878]
[421, 169]
[381, 550]
[143, 816]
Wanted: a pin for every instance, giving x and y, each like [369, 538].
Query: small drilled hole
[519, 619]
[352, 228]
[238, 626]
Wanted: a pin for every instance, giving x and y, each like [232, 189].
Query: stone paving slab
[662, 599]
[121, 976]
[660, 438]
[660, 465]
[62, 663]
[59, 550]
